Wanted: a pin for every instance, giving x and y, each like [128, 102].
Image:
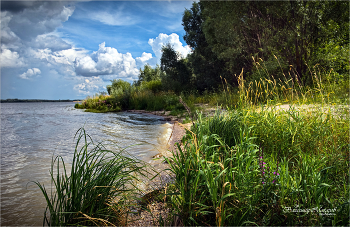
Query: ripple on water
[32, 133]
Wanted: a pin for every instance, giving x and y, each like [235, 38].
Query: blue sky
[69, 50]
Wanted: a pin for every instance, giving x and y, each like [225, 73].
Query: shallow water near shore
[32, 133]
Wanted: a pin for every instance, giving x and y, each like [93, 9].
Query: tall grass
[282, 88]
[97, 190]
[233, 171]
[257, 164]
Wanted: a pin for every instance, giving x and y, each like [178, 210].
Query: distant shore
[36, 100]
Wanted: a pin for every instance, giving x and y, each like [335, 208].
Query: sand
[145, 218]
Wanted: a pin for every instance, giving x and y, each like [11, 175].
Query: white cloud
[30, 39]
[89, 86]
[114, 19]
[173, 39]
[30, 73]
[51, 42]
[10, 58]
[38, 20]
[107, 61]
[144, 57]
[62, 60]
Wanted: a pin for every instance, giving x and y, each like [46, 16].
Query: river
[33, 133]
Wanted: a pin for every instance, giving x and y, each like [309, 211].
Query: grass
[258, 165]
[238, 170]
[98, 189]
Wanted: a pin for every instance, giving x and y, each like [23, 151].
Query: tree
[149, 74]
[118, 87]
[293, 30]
[177, 72]
[207, 68]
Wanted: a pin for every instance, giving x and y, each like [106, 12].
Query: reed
[248, 167]
[281, 88]
[98, 189]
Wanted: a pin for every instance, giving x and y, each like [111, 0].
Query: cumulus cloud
[173, 39]
[51, 42]
[107, 61]
[10, 58]
[39, 18]
[31, 46]
[25, 31]
[30, 73]
[146, 58]
[65, 57]
[89, 86]
[7, 36]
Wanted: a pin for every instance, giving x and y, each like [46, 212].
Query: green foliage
[294, 30]
[96, 190]
[177, 71]
[206, 66]
[335, 56]
[243, 184]
[154, 85]
[118, 87]
[99, 104]
[148, 74]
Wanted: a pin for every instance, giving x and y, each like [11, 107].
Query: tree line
[227, 37]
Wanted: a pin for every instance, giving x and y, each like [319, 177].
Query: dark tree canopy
[228, 36]
[206, 66]
[177, 72]
[295, 31]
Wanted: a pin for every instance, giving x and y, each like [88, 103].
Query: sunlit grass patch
[248, 167]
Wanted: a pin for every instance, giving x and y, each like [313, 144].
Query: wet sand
[165, 176]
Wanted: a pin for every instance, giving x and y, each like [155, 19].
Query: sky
[71, 50]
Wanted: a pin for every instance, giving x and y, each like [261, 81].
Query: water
[32, 133]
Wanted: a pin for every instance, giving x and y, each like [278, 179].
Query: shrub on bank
[99, 104]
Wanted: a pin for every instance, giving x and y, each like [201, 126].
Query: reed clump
[97, 190]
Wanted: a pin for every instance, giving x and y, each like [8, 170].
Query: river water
[33, 133]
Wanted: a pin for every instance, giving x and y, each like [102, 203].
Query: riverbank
[313, 138]
[300, 139]
[161, 182]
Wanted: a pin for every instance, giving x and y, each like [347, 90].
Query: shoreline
[158, 164]
[177, 132]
